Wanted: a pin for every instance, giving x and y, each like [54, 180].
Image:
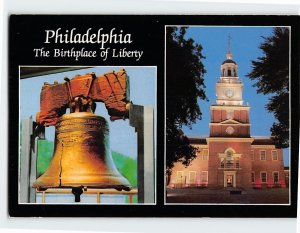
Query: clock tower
[229, 116]
[230, 157]
[229, 141]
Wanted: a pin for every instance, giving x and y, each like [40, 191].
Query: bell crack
[60, 163]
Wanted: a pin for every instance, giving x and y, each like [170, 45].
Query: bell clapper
[40, 189]
[77, 191]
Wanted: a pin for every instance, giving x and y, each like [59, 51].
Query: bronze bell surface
[82, 156]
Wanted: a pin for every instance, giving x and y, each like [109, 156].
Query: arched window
[234, 73]
[229, 159]
[229, 73]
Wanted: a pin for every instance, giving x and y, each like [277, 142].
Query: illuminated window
[179, 177]
[263, 177]
[237, 164]
[204, 176]
[205, 154]
[274, 155]
[252, 177]
[275, 177]
[229, 159]
[263, 155]
[192, 177]
[252, 155]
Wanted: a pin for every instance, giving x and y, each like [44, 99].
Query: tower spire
[229, 54]
[229, 49]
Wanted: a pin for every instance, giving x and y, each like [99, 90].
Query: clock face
[229, 93]
[229, 130]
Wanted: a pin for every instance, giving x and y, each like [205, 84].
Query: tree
[271, 73]
[185, 84]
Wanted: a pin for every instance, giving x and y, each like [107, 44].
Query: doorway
[229, 179]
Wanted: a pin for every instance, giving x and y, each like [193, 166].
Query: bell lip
[117, 187]
[122, 183]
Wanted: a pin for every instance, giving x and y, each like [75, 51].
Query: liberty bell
[82, 156]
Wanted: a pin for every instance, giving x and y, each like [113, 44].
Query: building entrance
[229, 180]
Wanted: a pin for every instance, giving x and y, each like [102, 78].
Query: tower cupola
[229, 66]
[229, 88]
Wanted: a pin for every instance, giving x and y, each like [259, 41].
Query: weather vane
[229, 38]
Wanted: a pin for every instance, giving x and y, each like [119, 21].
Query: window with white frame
[204, 154]
[263, 155]
[275, 177]
[179, 177]
[252, 154]
[274, 155]
[237, 163]
[192, 177]
[229, 159]
[252, 177]
[204, 176]
[222, 163]
[263, 177]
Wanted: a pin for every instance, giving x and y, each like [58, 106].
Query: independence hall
[230, 157]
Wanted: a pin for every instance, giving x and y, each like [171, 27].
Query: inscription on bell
[82, 124]
[81, 121]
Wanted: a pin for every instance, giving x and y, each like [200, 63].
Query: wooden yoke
[111, 88]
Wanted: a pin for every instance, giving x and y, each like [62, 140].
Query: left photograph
[87, 135]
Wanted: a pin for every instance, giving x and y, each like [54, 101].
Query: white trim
[224, 123]
[200, 146]
[266, 177]
[239, 107]
[276, 155]
[260, 155]
[181, 173]
[195, 177]
[230, 173]
[223, 139]
[207, 155]
[229, 121]
[273, 176]
[263, 146]
[201, 180]
[229, 149]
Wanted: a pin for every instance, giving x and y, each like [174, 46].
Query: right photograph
[227, 115]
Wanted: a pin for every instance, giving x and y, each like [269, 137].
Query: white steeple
[229, 87]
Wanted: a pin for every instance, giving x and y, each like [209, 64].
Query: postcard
[153, 116]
